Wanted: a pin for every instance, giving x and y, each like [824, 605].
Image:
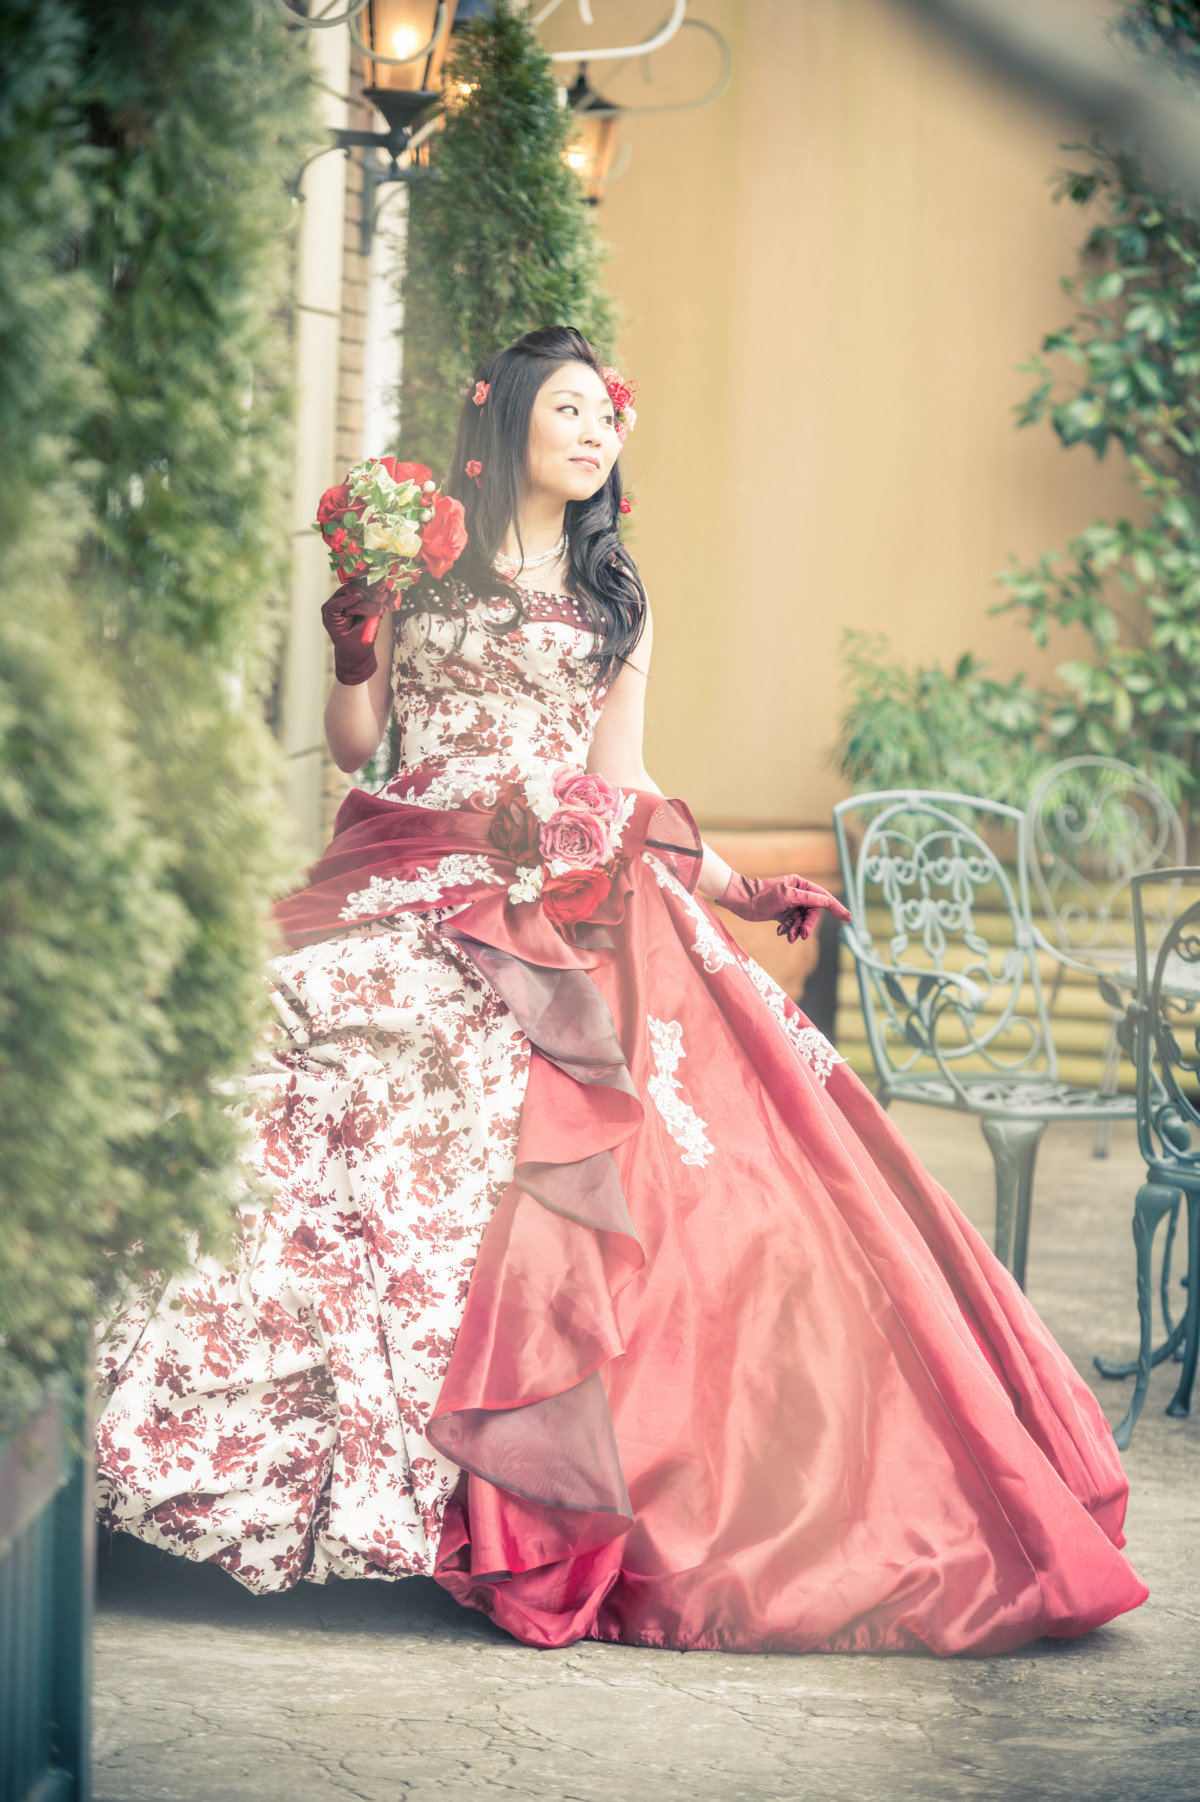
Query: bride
[593, 1283]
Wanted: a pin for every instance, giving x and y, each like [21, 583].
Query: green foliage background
[1125, 372]
[957, 729]
[499, 241]
[144, 261]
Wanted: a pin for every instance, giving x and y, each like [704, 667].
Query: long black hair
[602, 576]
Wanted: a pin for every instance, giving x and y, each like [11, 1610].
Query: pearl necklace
[508, 567]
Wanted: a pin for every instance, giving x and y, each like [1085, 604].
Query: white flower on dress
[682, 1122]
[709, 947]
[384, 893]
[528, 885]
[539, 789]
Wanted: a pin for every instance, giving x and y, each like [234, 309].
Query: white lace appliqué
[684, 1125]
[712, 951]
[384, 892]
[812, 1045]
[709, 947]
[448, 790]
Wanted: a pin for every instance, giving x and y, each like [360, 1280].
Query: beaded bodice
[480, 699]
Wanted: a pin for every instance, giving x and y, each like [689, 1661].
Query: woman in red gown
[594, 1283]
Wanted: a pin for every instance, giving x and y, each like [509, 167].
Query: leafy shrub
[1133, 584]
[1123, 372]
[927, 727]
[499, 241]
[144, 261]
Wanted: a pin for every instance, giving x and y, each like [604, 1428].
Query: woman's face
[572, 435]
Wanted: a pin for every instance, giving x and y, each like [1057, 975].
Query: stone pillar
[318, 315]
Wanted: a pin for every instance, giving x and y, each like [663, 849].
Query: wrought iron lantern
[406, 42]
[592, 149]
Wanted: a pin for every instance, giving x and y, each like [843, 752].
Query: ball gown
[592, 1282]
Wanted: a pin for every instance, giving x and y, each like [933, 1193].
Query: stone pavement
[385, 1692]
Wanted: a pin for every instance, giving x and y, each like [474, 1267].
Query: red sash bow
[386, 855]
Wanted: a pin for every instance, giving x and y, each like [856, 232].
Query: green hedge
[499, 241]
[145, 244]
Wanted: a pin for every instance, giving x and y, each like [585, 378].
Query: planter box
[46, 1541]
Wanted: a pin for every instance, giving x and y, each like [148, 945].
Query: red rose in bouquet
[386, 521]
[574, 895]
[444, 538]
[514, 829]
[334, 503]
[406, 472]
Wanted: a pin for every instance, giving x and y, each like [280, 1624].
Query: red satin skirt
[734, 1371]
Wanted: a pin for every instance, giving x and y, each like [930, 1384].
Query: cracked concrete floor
[205, 1693]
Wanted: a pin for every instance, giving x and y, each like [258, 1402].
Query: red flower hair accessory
[481, 393]
[474, 470]
[621, 394]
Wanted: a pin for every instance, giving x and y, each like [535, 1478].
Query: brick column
[348, 435]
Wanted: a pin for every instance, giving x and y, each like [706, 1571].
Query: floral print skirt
[267, 1414]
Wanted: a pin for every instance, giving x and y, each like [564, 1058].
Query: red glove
[791, 900]
[343, 616]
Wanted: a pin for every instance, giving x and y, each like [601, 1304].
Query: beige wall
[829, 278]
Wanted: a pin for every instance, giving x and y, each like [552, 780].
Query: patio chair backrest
[931, 863]
[1166, 1022]
[1094, 824]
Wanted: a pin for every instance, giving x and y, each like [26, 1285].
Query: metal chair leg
[1180, 1403]
[1153, 1200]
[1164, 1289]
[1013, 1145]
[1172, 1343]
[1109, 1075]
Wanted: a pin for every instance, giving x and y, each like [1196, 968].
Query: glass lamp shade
[397, 30]
[593, 144]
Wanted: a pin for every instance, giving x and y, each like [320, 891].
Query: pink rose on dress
[593, 793]
[577, 837]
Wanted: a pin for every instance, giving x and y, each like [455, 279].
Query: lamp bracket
[375, 175]
[655, 42]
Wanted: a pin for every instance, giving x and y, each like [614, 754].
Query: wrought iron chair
[1163, 1018]
[953, 1005]
[1094, 824]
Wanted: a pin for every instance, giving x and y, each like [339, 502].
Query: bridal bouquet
[386, 523]
[563, 828]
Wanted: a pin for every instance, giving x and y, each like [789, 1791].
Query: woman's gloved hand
[343, 616]
[790, 900]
